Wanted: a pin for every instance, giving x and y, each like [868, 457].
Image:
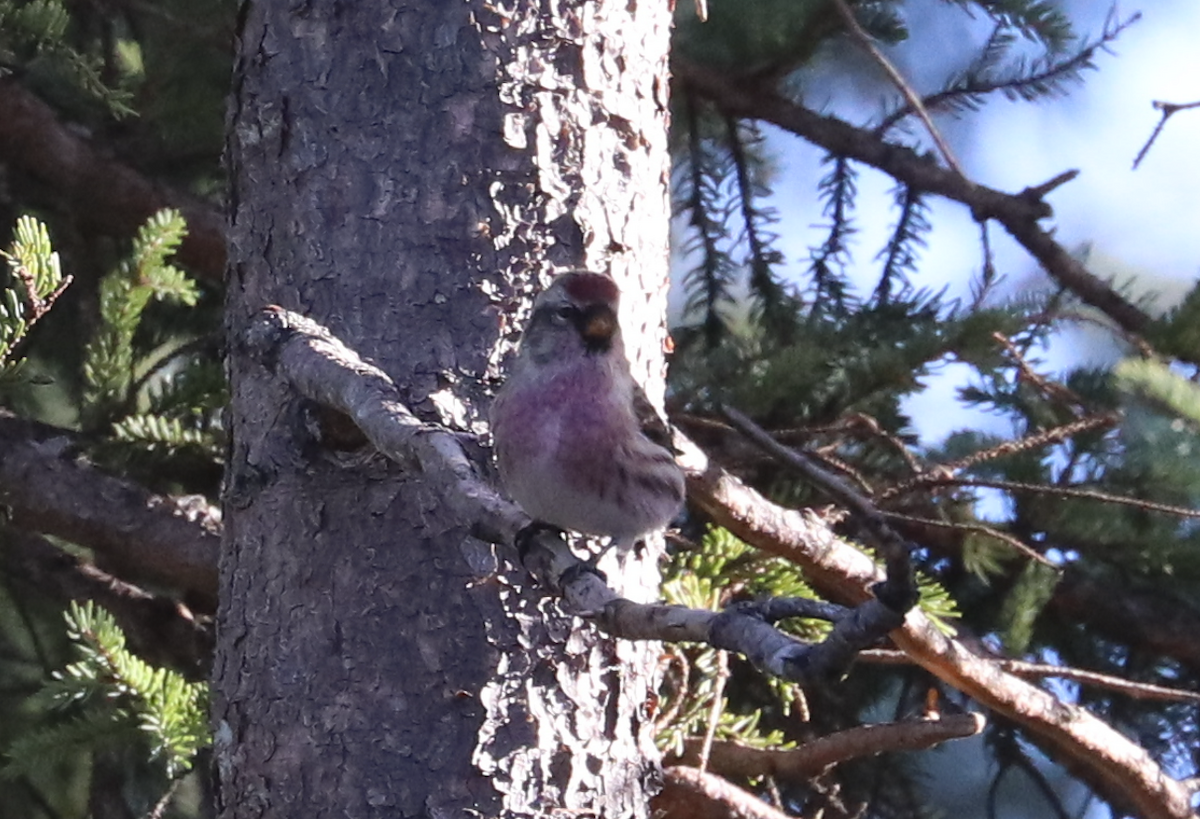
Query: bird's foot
[528, 535]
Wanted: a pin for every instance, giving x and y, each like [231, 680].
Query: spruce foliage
[36, 282]
[109, 697]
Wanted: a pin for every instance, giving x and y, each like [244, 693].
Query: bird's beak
[598, 327]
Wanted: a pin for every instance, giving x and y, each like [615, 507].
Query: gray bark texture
[407, 174]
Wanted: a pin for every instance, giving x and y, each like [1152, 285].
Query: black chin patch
[597, 325]
[595, 346]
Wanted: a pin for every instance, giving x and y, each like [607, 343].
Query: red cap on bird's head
[588, 288]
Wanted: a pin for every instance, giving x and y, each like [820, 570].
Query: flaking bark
[405, 178]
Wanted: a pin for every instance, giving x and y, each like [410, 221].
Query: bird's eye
[565, 313]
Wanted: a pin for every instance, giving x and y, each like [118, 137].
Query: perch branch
[325, 370]
[746, 627]
[320, 367]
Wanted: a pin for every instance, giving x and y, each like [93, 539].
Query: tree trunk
[406, 176]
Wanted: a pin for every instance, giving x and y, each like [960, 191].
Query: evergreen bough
[109, 698]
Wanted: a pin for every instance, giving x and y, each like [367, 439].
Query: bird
[578, 445]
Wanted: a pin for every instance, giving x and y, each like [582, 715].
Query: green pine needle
[109, 697]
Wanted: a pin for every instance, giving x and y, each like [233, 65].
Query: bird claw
[527, 537]
[577, 570]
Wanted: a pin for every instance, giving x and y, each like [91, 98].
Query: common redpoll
[570, 445]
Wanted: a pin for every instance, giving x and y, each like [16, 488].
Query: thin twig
[833, 485]
[1067, 492]
[1045, 386]
[1053, 435]
[987, 274]
[714, 711]
[979, 529]
[853, 423]
[38, 306]
[910, 96]
[161, 806]
[829, 459]
[1168, 109]
[672, 656]
[1027, 670]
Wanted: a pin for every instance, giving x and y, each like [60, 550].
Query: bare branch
[1039, 671]
[160, 630]
[1018, 213]
[1168, 110]
[689, 793]
[133, 532]
[732, 759]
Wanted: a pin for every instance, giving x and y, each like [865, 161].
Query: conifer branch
[690, 793]
[837, 188]
[1119, 769]
[731, 759]
[777, 310]
[976, 83]
[134, 532]
[1018, 213]
[710, 279]
[1037, 440]
[899, 254]
[160, 630]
